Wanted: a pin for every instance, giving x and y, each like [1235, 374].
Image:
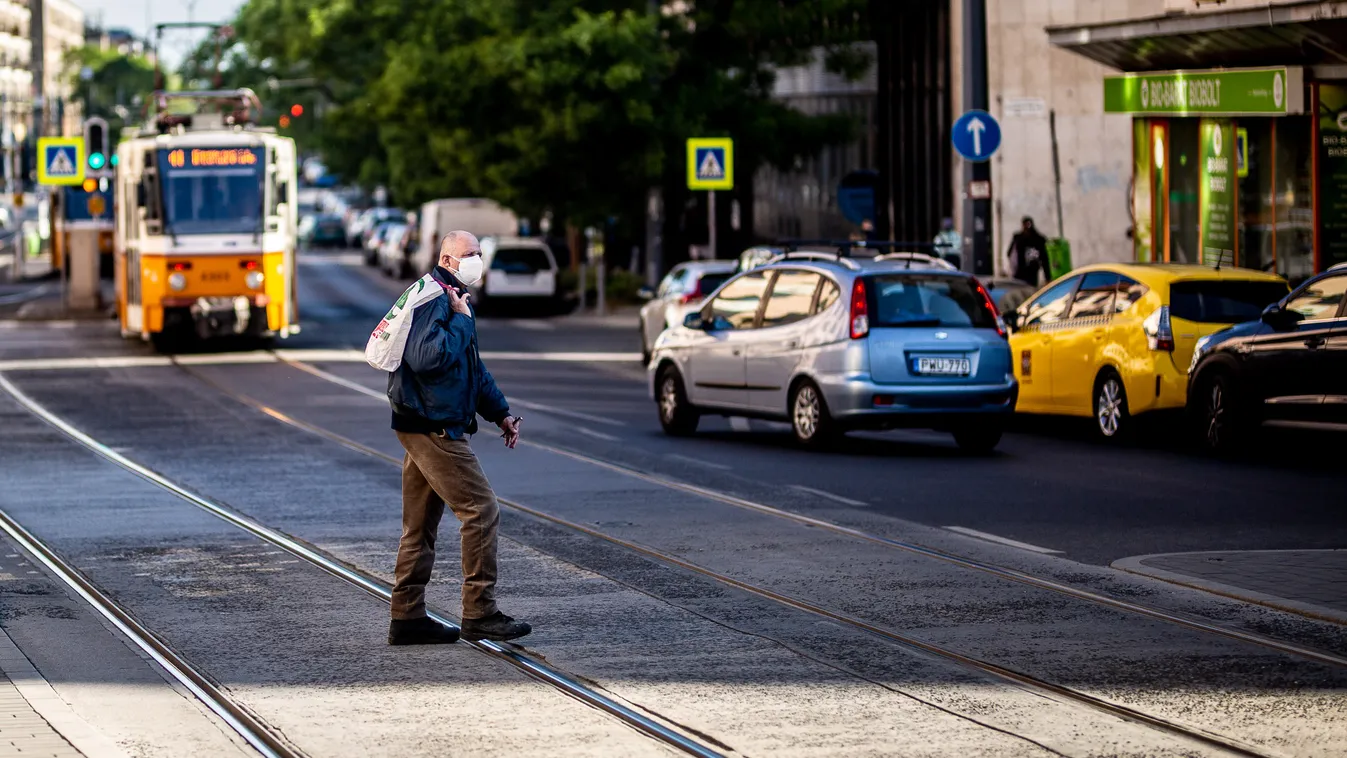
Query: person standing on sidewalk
[436, 395]
[1028, 253]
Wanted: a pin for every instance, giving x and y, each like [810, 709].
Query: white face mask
[469, 270]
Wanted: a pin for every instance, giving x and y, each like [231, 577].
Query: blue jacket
[442, 380]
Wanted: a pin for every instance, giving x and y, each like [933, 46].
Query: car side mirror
[645, 293]
[695, 321]
[1280, 319]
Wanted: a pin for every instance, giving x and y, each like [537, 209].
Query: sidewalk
[1309, 582]
[22, 730]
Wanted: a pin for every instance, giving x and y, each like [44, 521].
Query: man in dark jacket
[1028, 254]
[436, 395]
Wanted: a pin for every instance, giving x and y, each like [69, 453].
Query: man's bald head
[455, 245]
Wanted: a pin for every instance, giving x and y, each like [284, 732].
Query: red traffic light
[296, 110]
[284, 122]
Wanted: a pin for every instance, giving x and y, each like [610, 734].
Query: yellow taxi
[1111, 341]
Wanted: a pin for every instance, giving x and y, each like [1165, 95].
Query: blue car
[832, 344]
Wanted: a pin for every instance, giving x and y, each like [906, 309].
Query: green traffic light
[113, 161]
[96, 161]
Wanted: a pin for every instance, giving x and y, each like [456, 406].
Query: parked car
[322, 230]
[1113, 341]
[680, 293]
[375, 240]
[358, 233]
[1007, 293]
[516, 268]
[841, 344]
[392, 257]
[1289, 366]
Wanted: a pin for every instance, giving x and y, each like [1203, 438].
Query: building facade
[16, 84]
[60, 32]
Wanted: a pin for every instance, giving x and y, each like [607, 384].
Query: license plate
[943, 366]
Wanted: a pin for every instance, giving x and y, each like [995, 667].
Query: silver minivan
[836, 345]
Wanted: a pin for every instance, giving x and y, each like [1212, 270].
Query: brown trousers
[436, 471]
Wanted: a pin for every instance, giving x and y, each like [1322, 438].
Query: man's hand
[510, 426]
[459, 304]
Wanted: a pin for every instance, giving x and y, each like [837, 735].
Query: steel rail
[251, 728]
[1119, 710]
[379, 589]
[1003, 572]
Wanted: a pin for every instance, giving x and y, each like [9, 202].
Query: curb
[1134, 565]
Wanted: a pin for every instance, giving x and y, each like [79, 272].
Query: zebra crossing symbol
[711, 164]
[60, 160]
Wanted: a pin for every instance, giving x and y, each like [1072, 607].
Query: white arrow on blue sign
[976, 135]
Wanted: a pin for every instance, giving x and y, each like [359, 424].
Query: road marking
[26, 295]
[347, 383]
[828, 496]
[220, 359]
[533, 325]
[698, 461]
[530, 405]
[56, 364]
[1002, 540]
[740, 424]
[596, 435]
[320, 356]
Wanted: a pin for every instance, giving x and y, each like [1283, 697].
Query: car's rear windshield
[711, 282]
[1222, 302]
[927, 300]
[520, 260]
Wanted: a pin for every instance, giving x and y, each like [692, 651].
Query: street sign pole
[977, 216]
[711, 224]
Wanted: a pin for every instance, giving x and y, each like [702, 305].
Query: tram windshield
[212, 190]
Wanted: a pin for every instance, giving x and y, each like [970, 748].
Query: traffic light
[296, 110]
[96, 142]
[284, 122]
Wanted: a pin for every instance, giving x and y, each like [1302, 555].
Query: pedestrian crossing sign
[711, 163]
[60, 160]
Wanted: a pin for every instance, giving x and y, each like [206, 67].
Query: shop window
[1256, 212]
[1185, 159]
[1294, 199]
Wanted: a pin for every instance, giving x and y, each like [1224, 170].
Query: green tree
[116, 89]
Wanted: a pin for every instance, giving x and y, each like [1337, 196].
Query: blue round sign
[976, 135]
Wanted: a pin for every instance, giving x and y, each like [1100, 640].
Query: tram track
[257, 733]
[965, 562]
[1007, 674]
[253, 730]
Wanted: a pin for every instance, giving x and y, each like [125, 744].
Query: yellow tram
[206, 221]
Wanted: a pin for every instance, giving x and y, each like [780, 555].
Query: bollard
[583, 282]
[600, 283]
[82, 280]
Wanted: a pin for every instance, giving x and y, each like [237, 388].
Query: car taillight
[991, 308]
[249, 265]
[180, 266]
[693, 296]
[860, 311]
[1159, 332]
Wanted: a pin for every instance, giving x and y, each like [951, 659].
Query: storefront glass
[1294, 199]
[1184, 187]
[1254, 160]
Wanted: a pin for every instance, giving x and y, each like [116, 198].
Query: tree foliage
[570, 105]
[119, 85]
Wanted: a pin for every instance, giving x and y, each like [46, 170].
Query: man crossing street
[436, 394]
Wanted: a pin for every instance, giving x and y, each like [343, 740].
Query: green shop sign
[1226, 92]
[1332, 178]
[1217, 191]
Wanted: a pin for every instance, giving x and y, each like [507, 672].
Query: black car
[1290, 366]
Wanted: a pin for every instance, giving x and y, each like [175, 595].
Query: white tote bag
[384, 349]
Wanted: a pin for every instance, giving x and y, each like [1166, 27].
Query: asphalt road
[640, 582]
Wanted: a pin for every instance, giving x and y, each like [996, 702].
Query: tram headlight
[254, 280]
[177, 281]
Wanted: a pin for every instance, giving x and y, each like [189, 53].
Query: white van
[479, 216]
[516, 267]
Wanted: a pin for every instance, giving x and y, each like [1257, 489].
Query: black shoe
[497, 627]
[422, 631]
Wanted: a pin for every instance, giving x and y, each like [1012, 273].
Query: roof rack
[911, 257]
[814, 255]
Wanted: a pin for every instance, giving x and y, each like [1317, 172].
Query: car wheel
[676, 414]
[978, 440]
[1220, 420]
[809, 418]
[645, 349]
[1110, 406]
